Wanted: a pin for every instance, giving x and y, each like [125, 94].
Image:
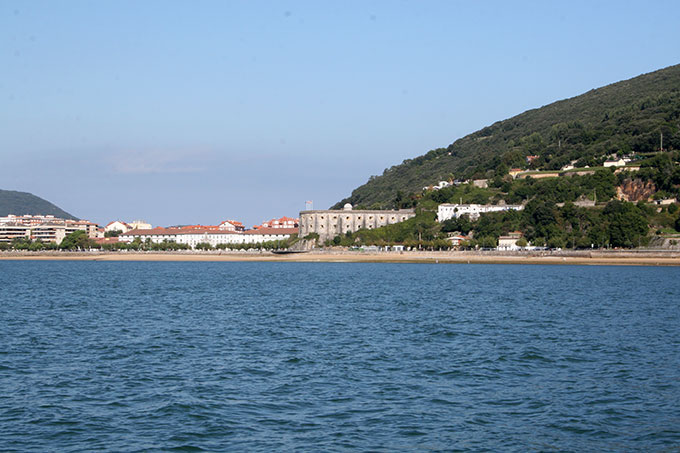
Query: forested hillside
[20, 203]
[627, 117]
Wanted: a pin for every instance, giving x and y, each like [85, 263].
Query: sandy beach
[629, 258]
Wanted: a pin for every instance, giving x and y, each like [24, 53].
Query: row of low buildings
[194, 236]
[227, 232]
[48, 228]
[44, 228]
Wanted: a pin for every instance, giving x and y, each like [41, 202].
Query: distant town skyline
[193, 113]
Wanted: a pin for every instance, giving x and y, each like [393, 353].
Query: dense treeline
[622, 118]
[618, 224]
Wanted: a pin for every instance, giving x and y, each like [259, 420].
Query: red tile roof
[119, 221]
[272, 231]
[111, 240]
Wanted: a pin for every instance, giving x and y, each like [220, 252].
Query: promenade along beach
[615, 257]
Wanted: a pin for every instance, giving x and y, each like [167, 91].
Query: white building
[117, 225]
[268, 234]
[283, 222]
[214, 237]
[439, 185]
[616, 162]
[448, 211]
[231, 225]
[11, 231]
[140, 225]
[155, 235]
[509, 242]
[456, 239]
[53, 231]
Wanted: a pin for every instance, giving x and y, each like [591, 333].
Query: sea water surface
[149, 356]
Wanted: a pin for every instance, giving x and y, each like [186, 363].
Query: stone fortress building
[331, 223]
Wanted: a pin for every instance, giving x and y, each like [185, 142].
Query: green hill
[20, 203]
[624, 117]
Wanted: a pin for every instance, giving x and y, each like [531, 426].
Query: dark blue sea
[326, 357]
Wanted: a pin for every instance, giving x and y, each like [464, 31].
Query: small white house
[455, 239]
[509, 242]
[616, 162]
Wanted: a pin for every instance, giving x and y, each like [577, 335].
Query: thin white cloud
[160, 162]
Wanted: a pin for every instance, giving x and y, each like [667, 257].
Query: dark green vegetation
[573, 209]
[623, 118]
[550, 217]
[543, 224]
[21, 203]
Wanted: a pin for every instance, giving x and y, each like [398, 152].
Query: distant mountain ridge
[22, 203]
[624, 117]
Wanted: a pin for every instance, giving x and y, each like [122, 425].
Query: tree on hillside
[627, 224]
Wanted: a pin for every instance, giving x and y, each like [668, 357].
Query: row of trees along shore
[78, 241]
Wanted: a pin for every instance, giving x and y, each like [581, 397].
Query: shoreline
[597, 258]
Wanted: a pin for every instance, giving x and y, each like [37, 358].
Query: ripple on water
[337, 357]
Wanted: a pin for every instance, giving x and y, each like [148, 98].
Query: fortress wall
[330, 223]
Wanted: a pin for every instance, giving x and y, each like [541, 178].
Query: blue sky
[198, 111]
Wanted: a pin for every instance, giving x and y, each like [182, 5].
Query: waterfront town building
[11, 231]
[214, 237]
[43, 228]
[456, 239]
[448, 211]
[331, 223]
[28, 220]
[139, 224]
[231, 225]
[509, 241]
[283, 222]
[117, 225]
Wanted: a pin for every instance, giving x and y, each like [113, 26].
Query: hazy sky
[198, 111]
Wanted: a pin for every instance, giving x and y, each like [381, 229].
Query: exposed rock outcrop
[635, 190]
